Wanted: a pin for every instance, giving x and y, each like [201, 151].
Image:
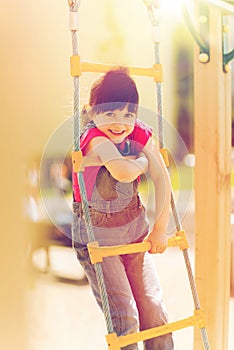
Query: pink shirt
[138, 139]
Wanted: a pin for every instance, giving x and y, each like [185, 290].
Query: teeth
[117, 132]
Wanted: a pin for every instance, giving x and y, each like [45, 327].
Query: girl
[117, 149]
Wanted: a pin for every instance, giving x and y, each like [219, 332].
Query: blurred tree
[183, 81]
[112, 46]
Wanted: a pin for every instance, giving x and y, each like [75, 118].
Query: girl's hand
[157, 240]
[143, 162]
[141, 154]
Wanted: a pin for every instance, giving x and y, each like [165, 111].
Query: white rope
[73, 26]
[154, 17]
[74, 4]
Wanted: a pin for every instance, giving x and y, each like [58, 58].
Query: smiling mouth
[117, 133]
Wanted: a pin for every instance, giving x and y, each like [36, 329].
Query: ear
[85, 114]
[85, 109]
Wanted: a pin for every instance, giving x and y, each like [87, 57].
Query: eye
[109, 114]
[129, 115]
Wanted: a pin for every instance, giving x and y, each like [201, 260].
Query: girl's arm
[162, 184]
[121, 168]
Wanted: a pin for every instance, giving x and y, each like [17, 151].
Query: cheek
[131, 122]
[130, 126]
[99, 122]
[102, 127]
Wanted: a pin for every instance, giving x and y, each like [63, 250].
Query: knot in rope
[154, 3]
[153, 9]
[74, 4]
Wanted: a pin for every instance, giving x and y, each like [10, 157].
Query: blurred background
[36, 138]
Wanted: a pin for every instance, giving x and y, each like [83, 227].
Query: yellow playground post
[212, 85]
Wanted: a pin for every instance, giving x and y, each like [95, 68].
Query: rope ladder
[96, 252]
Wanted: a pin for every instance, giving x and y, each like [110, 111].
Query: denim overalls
[134, 292]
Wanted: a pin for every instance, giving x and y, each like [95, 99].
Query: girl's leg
[147, 292]
[123, 308]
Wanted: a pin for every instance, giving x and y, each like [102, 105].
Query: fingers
[157, 249]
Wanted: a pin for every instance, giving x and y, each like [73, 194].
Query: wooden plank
[115, 343]
[213, 187]
[154, 72]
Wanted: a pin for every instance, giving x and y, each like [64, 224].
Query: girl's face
[117, 124]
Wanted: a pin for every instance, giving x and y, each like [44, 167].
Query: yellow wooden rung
[180, 240]
[97, 253]
[75, 66]
[164, 154]
[201, 323]
[158, 73]
[113, 341]
[76, 160]
[116, 343]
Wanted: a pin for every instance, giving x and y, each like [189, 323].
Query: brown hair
[114, 90]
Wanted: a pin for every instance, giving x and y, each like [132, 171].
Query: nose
[119, 121]
[118, 126]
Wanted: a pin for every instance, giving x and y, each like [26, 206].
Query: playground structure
[213, 299]
[215, 193]
[212, 175]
